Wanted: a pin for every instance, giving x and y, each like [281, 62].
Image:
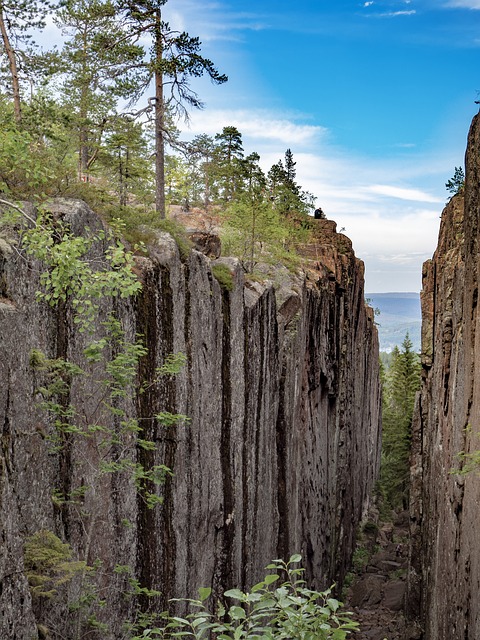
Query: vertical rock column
[444, 577]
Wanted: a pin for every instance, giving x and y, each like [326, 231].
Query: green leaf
[333, 604]
[238, 633]
[235, 593]
[204, 593]
[237, 613]
[295, 558]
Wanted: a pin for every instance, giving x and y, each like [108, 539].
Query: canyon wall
[280, 454]
[444, 579]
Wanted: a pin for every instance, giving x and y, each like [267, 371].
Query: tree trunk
[83, 111]
[12, 63]
[159, 120]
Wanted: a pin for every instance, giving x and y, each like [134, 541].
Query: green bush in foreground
[273, 609]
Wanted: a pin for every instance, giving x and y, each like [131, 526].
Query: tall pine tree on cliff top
[173, 60]
[17, 18]
[98, 67]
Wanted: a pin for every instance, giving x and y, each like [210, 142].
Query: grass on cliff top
[139, 223]
[223, 275]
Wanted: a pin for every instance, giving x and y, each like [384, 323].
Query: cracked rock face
[280, 455]
[444, 577]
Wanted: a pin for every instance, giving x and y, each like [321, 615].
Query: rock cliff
[281, 452]
[444, 577]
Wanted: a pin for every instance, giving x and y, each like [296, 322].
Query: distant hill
[399, 314]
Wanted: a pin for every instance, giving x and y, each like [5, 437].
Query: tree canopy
[400, 385]
[98, 118]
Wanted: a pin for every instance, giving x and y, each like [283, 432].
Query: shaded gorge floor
[376, 586]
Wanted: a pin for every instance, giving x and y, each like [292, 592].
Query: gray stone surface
[444, 576]
[280, 455]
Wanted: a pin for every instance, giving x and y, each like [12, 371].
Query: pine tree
[200, 154]
[174, 58]
[457, 183]
[255, 180]
[98, 67]
[17, 19]
[401, 384]
[125, 158]
[285, 193]
[228, 162]
[276, 178]
[290, 171]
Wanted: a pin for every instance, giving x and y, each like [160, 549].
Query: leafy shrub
[360, 559]
[272, 610]
[49, 564]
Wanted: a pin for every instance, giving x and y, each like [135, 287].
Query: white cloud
[391, 218]
[368, 4]
[401, 193]
[393, 14]
[258, 125]
[464, 4]
[213, 21]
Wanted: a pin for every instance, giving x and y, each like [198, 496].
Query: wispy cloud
[464, 4]
[214, 20]
[258, 125]
[401, 193]
[394, 14]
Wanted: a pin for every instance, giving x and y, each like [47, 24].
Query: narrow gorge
[275, 449]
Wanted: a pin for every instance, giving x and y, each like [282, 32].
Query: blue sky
[373, 98]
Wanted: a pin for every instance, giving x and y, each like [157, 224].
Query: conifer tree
[284, 191]
[125, 157]
[17, 19]
[200, 153]
[98, 67]
[276, 178]
[400, 387]
[173, 59]
[228, 161]
[290, 171]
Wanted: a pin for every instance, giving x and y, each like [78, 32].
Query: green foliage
[49, 564]
[278, 607]
[457, 183]
[400, 386]
[255, 232]
[360, 559]
[228, 165]
[25, 169]
[224, 276]
[97, 66]
[75, 273]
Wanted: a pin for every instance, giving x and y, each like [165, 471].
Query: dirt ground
[376, 594]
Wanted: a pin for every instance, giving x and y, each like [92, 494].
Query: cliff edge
[281, 386]
[444, 577]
